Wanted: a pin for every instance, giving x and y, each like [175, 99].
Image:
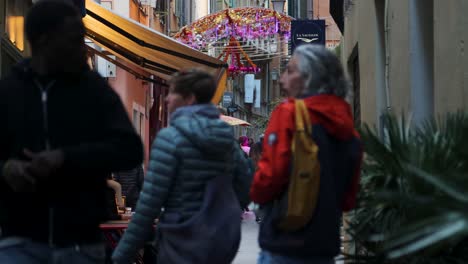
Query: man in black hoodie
[63, 131]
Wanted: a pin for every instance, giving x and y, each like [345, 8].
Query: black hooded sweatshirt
[82, 116]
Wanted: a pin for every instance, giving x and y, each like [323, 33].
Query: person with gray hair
[314, 75]
[320, 70]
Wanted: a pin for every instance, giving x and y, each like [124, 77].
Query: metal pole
[169, 17]
[268, 87]
[310, 9]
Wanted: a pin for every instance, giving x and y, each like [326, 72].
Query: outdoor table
[113, 231]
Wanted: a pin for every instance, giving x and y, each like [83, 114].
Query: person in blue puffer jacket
[184, 158]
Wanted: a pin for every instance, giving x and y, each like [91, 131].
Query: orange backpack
[304, 182]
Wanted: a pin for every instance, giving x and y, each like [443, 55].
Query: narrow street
[249, 249]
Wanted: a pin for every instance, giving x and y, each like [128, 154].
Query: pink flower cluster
[242, 69]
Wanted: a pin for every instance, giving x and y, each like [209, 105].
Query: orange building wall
[322, 11]
[154, 21]
[137, 14]
[134, 11]
[156, 25]
[144, 18]
[132, 91]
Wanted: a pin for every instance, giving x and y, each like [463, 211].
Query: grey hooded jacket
[197, 147]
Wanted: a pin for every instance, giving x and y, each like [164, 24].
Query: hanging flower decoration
[232, 53]
[246, 23]
[231, 26]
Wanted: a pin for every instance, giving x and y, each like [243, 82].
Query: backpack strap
[303, 122]
[300, 202]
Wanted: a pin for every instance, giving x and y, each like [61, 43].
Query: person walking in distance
[55, 150]
[199, 175]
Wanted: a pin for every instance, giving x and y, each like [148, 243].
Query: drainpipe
[191, 12]
[388, 102]
[421, 60]
[382, 63]
[384, 103]
[310, 9]
[268, 81]
[169, 17]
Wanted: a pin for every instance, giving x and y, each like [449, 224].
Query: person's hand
[16, 176]
[44, 163]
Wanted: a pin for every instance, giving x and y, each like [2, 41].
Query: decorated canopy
[230, 27]
[246, 23]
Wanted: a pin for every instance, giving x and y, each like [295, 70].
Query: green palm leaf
[427, 233]
[413, 200]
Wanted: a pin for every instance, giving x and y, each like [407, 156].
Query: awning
[147, 48]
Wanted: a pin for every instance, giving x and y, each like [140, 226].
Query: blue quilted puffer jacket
[197, 147]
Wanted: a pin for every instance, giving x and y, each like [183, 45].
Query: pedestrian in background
[132, 183]
[315, 75]
[55, 151]
[244, 144]
[251, 142]
[255, 155]
[115, 202]
[198, 174]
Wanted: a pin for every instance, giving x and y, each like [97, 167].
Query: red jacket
[272, 176]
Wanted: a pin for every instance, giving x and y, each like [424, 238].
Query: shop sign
[227, 99]
[249, 86]
[258, 93]
[307, 32]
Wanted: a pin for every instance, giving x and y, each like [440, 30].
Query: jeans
[17, 250]
[270, 258]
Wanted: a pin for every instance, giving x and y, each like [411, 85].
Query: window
[302, 9]
[139, 122]
[136, 121]
[142, 126]
[180, 11]
[14, 22]
[107, 4]
[161, 9]
[215, 6]
[297, 8]
[14, 45]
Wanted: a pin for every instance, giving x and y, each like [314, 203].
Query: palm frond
[413, 192]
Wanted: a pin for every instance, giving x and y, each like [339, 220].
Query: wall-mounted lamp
[278, 5]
